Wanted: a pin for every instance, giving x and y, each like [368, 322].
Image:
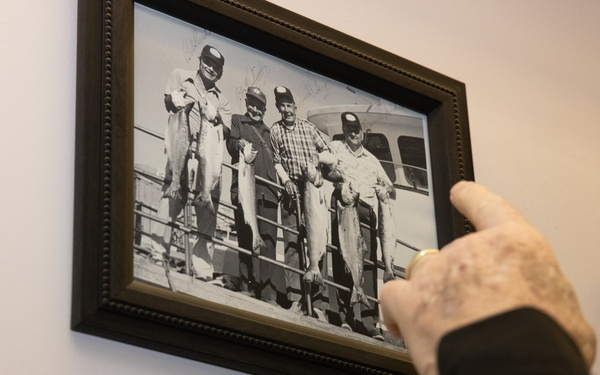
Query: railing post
[306, 286]
[186, 239]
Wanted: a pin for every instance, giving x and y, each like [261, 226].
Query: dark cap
[350, 120]
[258, 94]
[282, 93]
[213, 54]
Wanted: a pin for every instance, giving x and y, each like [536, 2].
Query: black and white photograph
[267, 187]
[249, 180]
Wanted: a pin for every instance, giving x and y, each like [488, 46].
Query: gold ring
[418, 256]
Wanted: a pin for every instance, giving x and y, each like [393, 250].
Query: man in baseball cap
[211, 63]
[199, 84]
[364, 172]
[297, 143]
[352, 130]
[258, 279]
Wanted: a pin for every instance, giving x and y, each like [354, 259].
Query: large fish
[177, 140]
[316, 222]
[209, 153]
[247, 193]
[386, 230]
[352, 244]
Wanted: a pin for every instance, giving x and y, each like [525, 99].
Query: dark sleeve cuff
[519, 342]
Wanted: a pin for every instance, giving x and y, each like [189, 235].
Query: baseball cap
[282, 92]
[213, 54]
[350, 120]
[257, 93]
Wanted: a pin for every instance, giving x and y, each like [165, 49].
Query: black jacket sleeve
[234, 137]
[520, 342]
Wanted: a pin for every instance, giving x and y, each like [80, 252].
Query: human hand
[242, 143]
[381, 191]
[505, 265]
[291, 189]
[327, 158]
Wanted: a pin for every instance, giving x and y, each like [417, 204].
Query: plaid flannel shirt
[297, 146]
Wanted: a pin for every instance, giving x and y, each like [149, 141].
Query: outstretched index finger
[482, 207]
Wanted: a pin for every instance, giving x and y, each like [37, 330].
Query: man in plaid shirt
[296, 142]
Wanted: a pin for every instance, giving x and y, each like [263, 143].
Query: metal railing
[183, 225]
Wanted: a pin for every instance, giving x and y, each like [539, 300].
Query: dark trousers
[266, 280]
[369, 315]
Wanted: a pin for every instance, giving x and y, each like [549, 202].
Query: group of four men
[283, 150]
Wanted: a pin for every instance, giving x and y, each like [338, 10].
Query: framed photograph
[247, 180]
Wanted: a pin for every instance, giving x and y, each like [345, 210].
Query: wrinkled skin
[505, 265]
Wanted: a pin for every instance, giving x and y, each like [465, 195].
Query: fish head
[249, 153]
[189, 104]
[384, 190]
[207, 108]
[382, 193]
[181, 99]
[349, 195]
[311, 174]
[177, 97]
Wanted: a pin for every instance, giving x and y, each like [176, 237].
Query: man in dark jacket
[258, 279]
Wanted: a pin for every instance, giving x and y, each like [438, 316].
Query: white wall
[533, 83]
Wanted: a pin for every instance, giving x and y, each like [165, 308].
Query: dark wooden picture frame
[109, 302]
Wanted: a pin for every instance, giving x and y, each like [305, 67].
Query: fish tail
[388, 276]
[209, 206]
[172, 191]
[314, 277]
[206, 203]
[319, 279]
[258, 244]
[358, 295]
